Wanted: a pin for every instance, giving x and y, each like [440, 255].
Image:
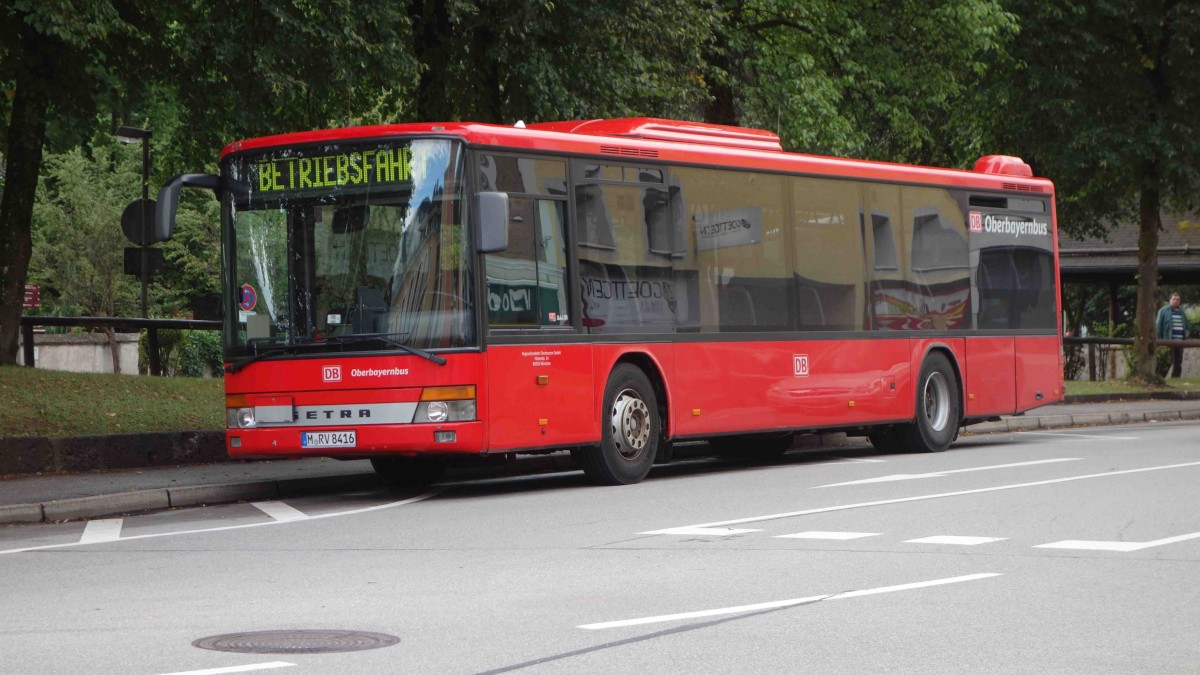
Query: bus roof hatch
[655, 129]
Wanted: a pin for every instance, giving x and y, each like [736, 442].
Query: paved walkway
[83, 495]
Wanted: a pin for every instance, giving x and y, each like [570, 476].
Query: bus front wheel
[938, 408]
[630, 430]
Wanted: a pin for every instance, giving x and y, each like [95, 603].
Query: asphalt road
[1073, 551]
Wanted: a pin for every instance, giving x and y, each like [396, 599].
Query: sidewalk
[53, 498]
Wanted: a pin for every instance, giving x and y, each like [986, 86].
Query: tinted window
[828, 268]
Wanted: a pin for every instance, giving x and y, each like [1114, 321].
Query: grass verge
[50, 403]
[1118, 387]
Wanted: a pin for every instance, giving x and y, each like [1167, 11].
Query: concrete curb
[224, 493]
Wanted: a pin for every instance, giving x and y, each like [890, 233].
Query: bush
[201, 348]
[184, 352]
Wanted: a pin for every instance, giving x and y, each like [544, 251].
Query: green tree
[57, 57]
[77, 250]
[1102, 98]
[864, 78]
[539, 61]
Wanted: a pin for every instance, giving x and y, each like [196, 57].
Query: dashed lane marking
[742, 609]
[1118, 546]
[378, 507]
[837, 536]
[955, 541]
[939, 495]
[99, 531]
[939, 474]
[280, 511]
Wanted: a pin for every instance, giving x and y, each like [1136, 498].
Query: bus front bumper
[351, 441]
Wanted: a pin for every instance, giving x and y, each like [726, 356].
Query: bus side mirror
[492, 234]
[168, 200]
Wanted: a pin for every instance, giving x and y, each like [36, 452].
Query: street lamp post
[131, 136]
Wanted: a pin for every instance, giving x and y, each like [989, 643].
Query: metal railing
[118, 324]
[1093, 342]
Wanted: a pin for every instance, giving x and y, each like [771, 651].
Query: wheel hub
[937, 401]
[630, 424]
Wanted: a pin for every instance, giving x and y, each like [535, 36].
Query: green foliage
[78, 245]
[1102, 98]
[858, 77]
[201, 350]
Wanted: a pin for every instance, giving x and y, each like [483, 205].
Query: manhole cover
[296, 642]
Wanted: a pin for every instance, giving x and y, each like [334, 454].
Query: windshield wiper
[274, 350]
[388, 339]
[267, 352]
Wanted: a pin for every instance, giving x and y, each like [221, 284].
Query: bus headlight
[240, 418]
[445, 411]
[446, 404]
[437, 411]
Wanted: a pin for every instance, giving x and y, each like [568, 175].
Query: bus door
[539, 378]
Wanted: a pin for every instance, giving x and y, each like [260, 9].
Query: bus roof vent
[655, 129]
[1004, 164]
[1021, 188]
[627, 152]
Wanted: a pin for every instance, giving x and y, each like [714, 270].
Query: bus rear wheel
[408, 471]
[938, 408]
[631, 427]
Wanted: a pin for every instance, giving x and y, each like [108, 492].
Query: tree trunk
[1147, 288]
[26, 129]
[114, 348]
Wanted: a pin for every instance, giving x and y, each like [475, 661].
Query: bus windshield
[357, 244]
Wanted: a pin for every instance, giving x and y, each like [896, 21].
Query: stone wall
[83, 352]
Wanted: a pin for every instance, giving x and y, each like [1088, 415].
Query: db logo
[331, 373]
[800, 365]
[976, 221]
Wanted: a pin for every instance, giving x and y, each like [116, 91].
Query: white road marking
[100, 531]
[955, 541]
[1102, 438]
[236, 669]
[939, 474]
[1119, 546]
[706, 531]
[816, 534]
[939, 495]
[281, 512]
[783, 603]
[412, 500]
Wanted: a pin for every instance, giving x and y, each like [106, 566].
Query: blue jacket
[1162, 325]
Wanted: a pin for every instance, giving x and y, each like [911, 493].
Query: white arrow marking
[939, 474]
[783, 603]
[1119, 546]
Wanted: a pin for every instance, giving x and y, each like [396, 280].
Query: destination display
[358, 168]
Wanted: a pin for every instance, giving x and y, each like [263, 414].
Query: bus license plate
[328, 439]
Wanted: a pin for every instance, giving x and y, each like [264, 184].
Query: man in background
[1172, 324]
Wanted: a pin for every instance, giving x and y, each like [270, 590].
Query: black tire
[938, 410]
[758, 448]
[408, 472]
[886, 440]
[630, 430]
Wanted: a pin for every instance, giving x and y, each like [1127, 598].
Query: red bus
[409, 293]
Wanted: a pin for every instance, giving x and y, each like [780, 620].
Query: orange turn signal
[448, 393]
